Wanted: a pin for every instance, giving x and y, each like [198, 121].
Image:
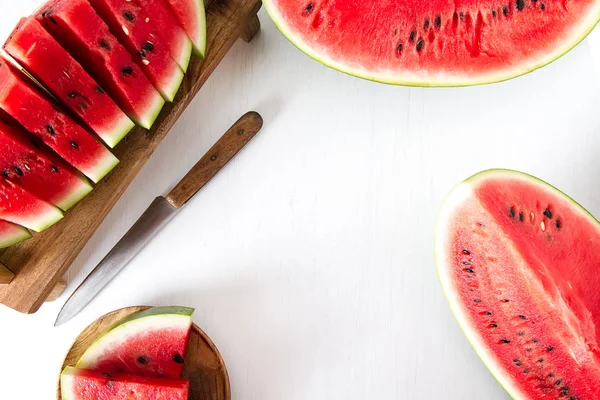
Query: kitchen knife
[160, 212]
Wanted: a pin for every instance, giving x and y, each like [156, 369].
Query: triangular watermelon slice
[21, 207]
[24, 161]
[149, 343]
[41, 55]
[81, 384]
[11, 234]
[30, 106]
[192, 17]
[135, 29]
[77, 27]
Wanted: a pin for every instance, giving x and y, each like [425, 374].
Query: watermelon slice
[11, 234]
[77, 27]
[192, 17]
[21, 207]
[435, 43]
[81, 384]
[34, 111]
[518, 261]
[147, 343]
[134, 27]
[173, 35]
[33, 47]
[24, 161]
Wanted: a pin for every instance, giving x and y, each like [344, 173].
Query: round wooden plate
[204, 366]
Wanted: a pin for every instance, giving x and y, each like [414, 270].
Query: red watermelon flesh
[21, 207]
[11, 234]
[170, 31]
[134, 27]
[150, 343]
[39, 115]
[192, 17]
[519, 263]
[24, 161]
[33, 48]
[436, 42]
[77, 27]
[81, 384]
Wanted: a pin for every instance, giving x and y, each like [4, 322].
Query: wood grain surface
[40, 262]
[204, 366]
[6, 275]
[232, 141]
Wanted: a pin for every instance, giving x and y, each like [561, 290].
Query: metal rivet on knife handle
[223, 151]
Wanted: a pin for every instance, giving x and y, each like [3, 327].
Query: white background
[309, 259]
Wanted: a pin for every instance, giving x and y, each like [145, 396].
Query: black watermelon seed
[558, 223]
[426, 24]
[505, 300]
[53, 169]
[44, 14]
[512, 212]
[550, 348]
[5, 173]
[572, 398]
[542, 6]
[19, 171]
[129, 16]
[53, 20]
[493, 325]
[141, 54]
[541, 360]
[466, 263]
[520, 5]
[399, 48]
[558, 382]
[521, 217]
[487, 313]
[72, 94]
[551, 375]
[469, 270]
[148, 46]
[526, 371]
[438, 22]
[50, 129]
[548, 213]
[413, 36]
[477, 300]
[564, 391]
[505, 341]
[461, 15]
[494, 13]
[521, 333]
[142, 360]
[467, 252]
[99, 89]
[505, 10]
[106, 374]
[127, 70]
[522, 317]
[308, 9]
[177, 358]
[517, 362]
[36, 144]
[534, 340]
[104, 44]
[74, 145]
[420, 44]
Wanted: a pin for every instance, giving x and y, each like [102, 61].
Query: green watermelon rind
[173, 86]
[186, 54]
[585, 28]
[136, 322]
[199, 43]
[151, 113]
[21, 234]
[76, 194]
[51, 216]
[102, 168]
[118, 132]
[453, 199]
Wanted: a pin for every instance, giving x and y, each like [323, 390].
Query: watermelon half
[41, 55]
[77, 27]
[21, 207]
[192, 17]
[435, 43]
[81, 384]
[518, 260]
[148, 343]
[11, 234]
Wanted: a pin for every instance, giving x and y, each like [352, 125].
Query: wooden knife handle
[224, 150]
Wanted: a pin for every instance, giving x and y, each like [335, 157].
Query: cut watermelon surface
[518, 261]
[21, 207]
[39, 115]
[81, 384]
[192, 17]
[11, 234]
[134, 27]
[77, 27]
[434, 43]
[24, 161]
[171, 32]
[33, 48]
[148, 343]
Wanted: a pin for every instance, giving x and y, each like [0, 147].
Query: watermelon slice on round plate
[435, 43]
[11, 234]
[192, 17]
[518, 260]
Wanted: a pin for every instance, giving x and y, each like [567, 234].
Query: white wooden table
[309, 259]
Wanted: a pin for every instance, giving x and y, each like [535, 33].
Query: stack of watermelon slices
[143, 354]
[75, 77]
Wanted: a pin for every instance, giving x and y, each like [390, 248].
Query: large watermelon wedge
[77, 27]
[41, 55]
[26, 162]
[147, 343]
[39, 115]
[436, 42]
[11, 234]
[81, 384]
[518, 260]
[21, 207]
[192, 17]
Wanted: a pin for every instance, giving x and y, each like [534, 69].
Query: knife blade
[159, 213]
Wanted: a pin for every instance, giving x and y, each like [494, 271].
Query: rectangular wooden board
[40, 262]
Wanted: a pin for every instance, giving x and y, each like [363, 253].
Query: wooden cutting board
[39, 263]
